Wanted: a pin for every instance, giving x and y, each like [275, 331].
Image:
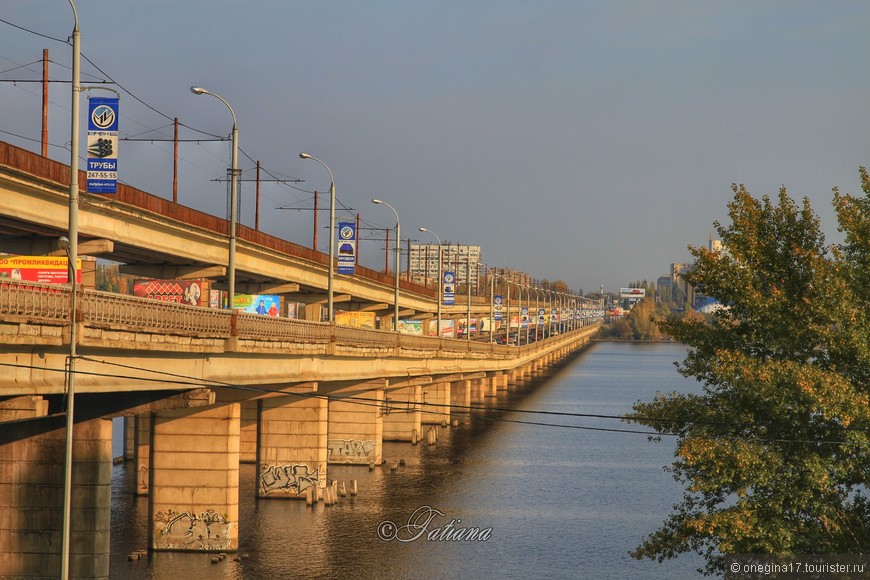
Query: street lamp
[398, 259]
[234, 196]
[66, 245]
[331, 273]
[537, 309]
[440, 277]
[72, 250]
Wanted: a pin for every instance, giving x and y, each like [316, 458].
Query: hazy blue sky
[583, 140]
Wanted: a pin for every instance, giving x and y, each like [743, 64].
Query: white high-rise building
[462, 259]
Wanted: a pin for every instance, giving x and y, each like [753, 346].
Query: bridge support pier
[142, 451]
[438, 412]
[32, 467]
[460, 396]
[194, 479]
[404, 421]
[248, 424]
[292, 447]
[356, 429]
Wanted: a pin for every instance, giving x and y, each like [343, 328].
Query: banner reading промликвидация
[102, 145]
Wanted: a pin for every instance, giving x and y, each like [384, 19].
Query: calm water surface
[560, 502]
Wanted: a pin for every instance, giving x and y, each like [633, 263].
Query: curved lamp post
[440, 278]
[72, 250]
[537, 309]
[234, 196]
[331, 272]
[398, 260]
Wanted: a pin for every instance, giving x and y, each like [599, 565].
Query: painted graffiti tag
[351, 449]
[287, 478]
[187, 531]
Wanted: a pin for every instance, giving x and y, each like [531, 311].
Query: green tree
[773, 453]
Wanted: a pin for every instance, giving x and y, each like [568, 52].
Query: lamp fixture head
[375, 200]
[422, 229]
[198, 91]
[304, 156]
[63, 243]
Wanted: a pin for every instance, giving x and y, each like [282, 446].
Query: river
[495, 497]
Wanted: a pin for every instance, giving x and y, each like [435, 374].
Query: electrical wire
[175, 378]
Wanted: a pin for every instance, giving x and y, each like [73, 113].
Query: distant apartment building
[462, 259]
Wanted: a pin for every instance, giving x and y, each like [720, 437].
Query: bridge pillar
[479, 389]
[142, 451]
[501, 381]
[356, 429]
[194, 483]
[129, 438]
[32, 468]
[438, 394]
[404, 421]
[460, 396]
[291, 452]
[248, 423]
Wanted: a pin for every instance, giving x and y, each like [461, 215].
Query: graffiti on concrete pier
[207, 531]
[288, 479]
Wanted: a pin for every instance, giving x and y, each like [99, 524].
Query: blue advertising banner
[449, 288]
[346, 247]
[102, 145]
[497, 302]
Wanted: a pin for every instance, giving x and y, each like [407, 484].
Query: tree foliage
[773, 453]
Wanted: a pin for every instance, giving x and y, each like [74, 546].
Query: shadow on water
[559, 502]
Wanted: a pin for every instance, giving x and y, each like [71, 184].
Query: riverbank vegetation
[774, 453]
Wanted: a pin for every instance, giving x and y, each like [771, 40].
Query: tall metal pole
[468, 291]
[398, 262]
[440, 276]
[234, 196]
[72, 255]
[331, 270]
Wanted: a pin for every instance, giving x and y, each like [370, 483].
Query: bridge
[202, 389]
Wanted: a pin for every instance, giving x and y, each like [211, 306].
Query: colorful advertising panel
[449, 288]
[638, 293]
[264, 304]
[524, 312]
[44, 269]
[103, 145]
[192, 292]
[346, 247]
[411, 327]
[355, 319]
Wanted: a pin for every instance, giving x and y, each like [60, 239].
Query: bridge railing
[50, 304]
[46, 303]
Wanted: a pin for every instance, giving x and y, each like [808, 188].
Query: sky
[576, 140]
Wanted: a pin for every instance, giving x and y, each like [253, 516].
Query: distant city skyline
[579, 141]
